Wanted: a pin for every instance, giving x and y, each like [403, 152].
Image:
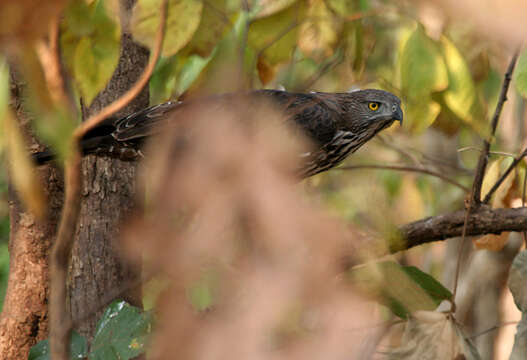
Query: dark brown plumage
[337, 124]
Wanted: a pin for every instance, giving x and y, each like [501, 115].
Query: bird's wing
[143, 123]
[312, 114]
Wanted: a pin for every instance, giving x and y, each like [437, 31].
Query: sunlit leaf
[319, 33]
[213, 24]
[182, 22]
[121, 333]
[409, 205]
[227, 68]
[502, 198]
[404, 289]
[78, 349]
[520, 75]
[460, 96]
[422, 67]
[342, 7]
[420, 113]
[274, 37]
[164, 79]
[262, 8]
[21, 167]
[90, 41]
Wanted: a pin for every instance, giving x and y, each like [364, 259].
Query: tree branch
[483, 158]
[481, 220]
[59, 316]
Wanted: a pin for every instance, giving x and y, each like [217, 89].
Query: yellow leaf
[319, 33]
[409, 202]
[183, 19]
[21, 169]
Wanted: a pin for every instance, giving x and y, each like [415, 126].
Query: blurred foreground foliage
[448, 79]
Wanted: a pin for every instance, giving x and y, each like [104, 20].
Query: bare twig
[499, 153]
[483, 158]
[60, 321]
[495, 327]
[409, 169]
[460, 256]
[138, 86]
[504, 176]
[60, 318]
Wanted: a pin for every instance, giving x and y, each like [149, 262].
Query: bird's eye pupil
[373, 106]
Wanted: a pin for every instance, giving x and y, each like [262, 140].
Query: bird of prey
[336, 123]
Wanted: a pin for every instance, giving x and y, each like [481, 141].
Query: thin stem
[483, 158]
[409, 169]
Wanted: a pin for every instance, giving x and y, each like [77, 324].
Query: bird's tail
[43, 157]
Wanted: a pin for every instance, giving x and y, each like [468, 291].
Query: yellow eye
[373, 106]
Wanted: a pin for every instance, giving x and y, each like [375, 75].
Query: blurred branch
[49, 56]
[483, 158]
[60, 321]
[481, 220]
[409, 169]
[60, 318]
[504, 176]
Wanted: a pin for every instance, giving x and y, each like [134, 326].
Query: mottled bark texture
[24, 318]
[98, 270]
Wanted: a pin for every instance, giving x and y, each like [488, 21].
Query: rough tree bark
[24, 318]
[108, 193]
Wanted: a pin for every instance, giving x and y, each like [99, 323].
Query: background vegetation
[447, 70]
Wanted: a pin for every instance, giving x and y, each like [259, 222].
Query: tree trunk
[98, 272]
[24, 318]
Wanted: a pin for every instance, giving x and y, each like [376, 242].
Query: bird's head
[373, 109]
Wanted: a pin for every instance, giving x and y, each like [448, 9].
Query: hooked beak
[398, 114]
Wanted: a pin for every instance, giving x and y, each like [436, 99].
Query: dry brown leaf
[433, 335]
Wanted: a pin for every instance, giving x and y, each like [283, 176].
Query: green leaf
[404, 289]
[520, 75]
[420, 113]
[276, 35]
[460, 96]
[183, 19]
[164, 79]
[174, 75]
[121, 333]
[263, 8]
[422, 72]
[90, 41]
[214, 22]
[422, 67]
[78, 349]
